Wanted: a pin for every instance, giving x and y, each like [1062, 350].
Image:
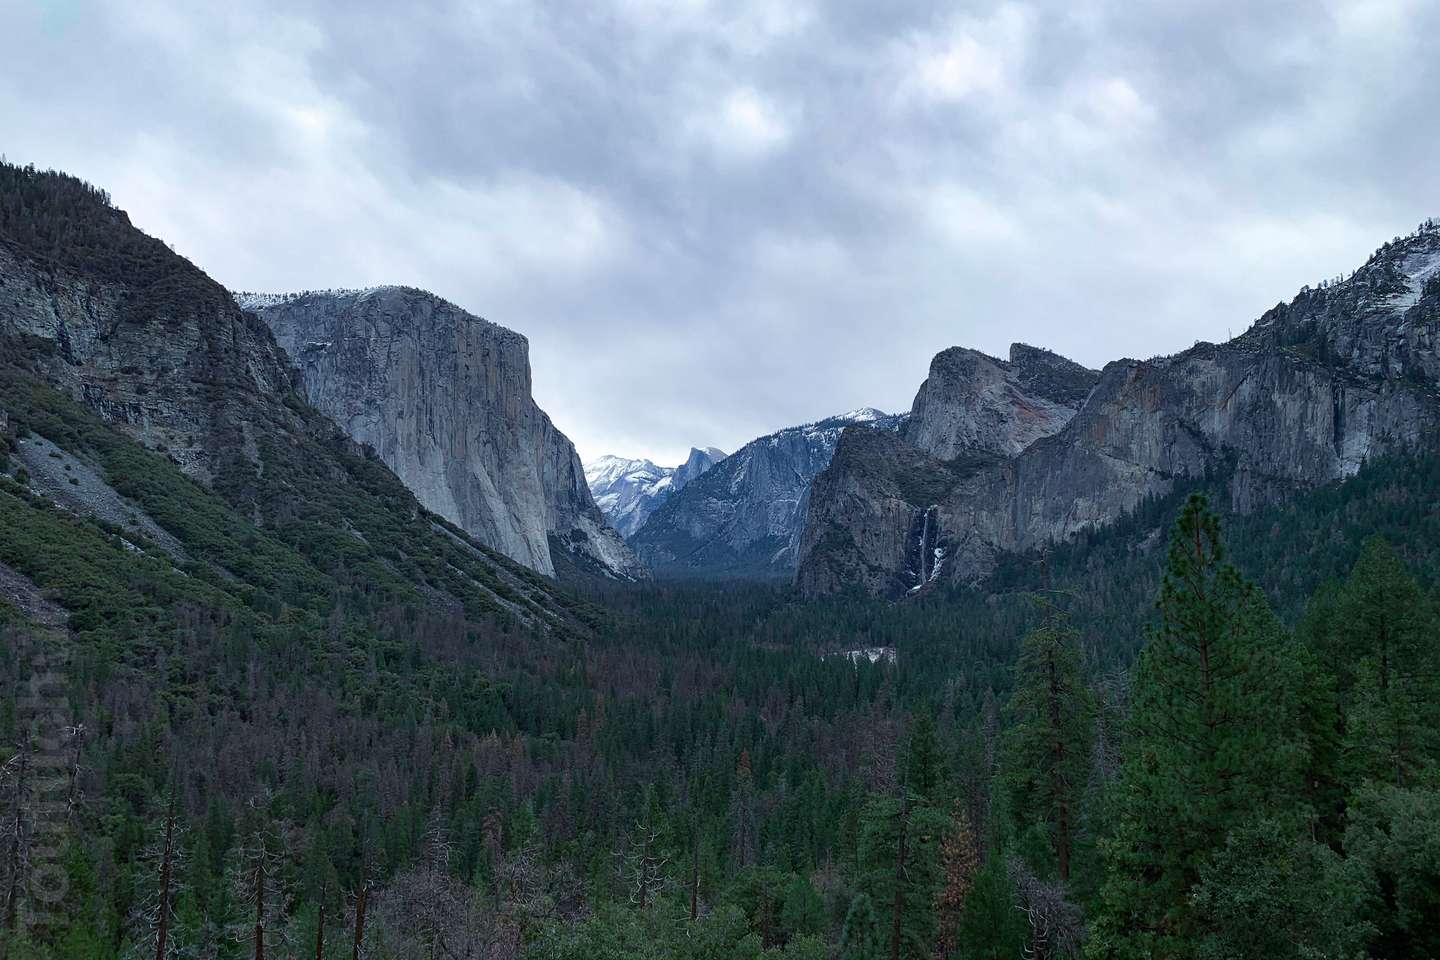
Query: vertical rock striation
[444, 399]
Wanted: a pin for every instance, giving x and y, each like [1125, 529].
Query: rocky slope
[744, 516]
[121, 361]
[1342, 373]
[443, 397]
[628, 491]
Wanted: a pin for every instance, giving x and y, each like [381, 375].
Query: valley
[359, 658]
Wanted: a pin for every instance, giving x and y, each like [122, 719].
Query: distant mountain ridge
[744, 516]
[994, 460]
[627, 491]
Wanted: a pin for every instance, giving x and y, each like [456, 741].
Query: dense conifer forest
[1225, 748]
[1188, 734]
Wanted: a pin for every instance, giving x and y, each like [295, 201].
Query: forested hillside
[256, 700]
[696, 777]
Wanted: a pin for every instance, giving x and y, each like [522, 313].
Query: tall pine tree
[1047, 750]
[1214, 739]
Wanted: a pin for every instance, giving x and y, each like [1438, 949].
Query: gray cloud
[716, 219]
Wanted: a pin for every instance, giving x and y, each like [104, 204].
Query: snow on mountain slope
[745, 516]
[627, 491]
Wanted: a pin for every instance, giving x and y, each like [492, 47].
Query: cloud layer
[717, 219]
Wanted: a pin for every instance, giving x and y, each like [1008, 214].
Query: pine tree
[1048, 748]
[900, 850]
[1382, 640]
[922, 770]
[1213, 741]
[860, 937]
[742, 811]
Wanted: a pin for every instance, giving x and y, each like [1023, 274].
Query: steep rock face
[444, 399]
[628, 491]
[158, 348]
[145, 342]
[745, 515]
[975, 403]
[1304, 397]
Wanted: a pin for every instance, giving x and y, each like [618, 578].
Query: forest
[1223, 747]
[1192, 733]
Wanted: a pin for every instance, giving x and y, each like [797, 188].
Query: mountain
[996, 460]
[744, 516]
[975, 404]
[161, 460]
[628, 491]
[443, 397]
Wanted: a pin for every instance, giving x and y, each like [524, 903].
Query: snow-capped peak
[628, 490]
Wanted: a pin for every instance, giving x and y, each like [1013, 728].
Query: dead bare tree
[153, 919]
[17, 830]
[256, 877]
[642, 864]
[1057, 927]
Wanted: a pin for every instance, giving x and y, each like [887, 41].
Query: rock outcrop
[744, 516]
[144, 342]
[1342, 373]
[148, 341]
[972, 403]
[444, 399]
[627, 491]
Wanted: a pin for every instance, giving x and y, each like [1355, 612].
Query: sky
[714, 220]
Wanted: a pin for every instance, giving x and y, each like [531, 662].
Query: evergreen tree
[1269, 894]
[900, 849]
[1047, 750]
[860, 937]
[1382, 639]
[1213, 741]
[923, 773]
[1394, 835]
[991, 927]
[802, 913]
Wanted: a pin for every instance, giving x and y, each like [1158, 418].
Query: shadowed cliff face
[172, 359]
[444, 399]
[744, 516]
[1302, 398]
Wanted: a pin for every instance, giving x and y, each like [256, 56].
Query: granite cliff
[121, 360]
[444, 399]
[1343, 372]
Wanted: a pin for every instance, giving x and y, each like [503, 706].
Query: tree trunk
[320, 926]
[361, 896]
[900, 879]
[162, 933]
[695, 875]
[260, 908]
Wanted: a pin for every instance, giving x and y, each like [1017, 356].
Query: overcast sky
[713, 220]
